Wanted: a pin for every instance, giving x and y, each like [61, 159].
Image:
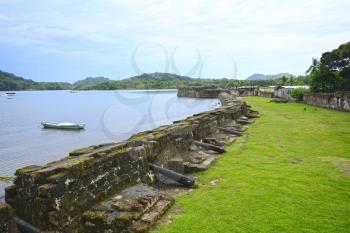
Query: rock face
[338, 101]
[227, 99]
[134, 209]
[97, 189]
[7, 223]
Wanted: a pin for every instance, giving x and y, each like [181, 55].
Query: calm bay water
[108, 115]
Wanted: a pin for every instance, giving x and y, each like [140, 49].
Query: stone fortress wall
[337, 101]
[110, 187]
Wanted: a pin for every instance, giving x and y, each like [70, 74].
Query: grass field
[289, 173]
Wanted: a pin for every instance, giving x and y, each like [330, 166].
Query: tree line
[172, 81]
[331, 72]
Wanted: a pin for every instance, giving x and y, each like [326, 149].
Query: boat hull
[67, 127]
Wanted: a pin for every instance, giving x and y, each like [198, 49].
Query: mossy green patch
[6, 178]
[81, 151]
[288, 173]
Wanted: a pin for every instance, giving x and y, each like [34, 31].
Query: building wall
[283, 93]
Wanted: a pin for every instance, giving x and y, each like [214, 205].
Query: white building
[285, 91]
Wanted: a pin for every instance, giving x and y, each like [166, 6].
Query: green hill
[269, 76]
[11, 82]
[90, 81]
[150, 81]
[156, 80]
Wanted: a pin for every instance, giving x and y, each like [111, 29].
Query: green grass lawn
[289, 173]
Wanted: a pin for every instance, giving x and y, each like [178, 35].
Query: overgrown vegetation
[332, 72]
[289, 173]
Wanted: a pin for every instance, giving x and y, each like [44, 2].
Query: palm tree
[315, 64]
[291, 80]
[284, 80]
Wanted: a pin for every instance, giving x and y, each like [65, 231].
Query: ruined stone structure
[248, 91]
[110, 187]
[266, 94]
[201, 92]
[338, 101]
[213, 92]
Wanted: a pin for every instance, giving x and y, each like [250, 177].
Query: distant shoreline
[172, 89]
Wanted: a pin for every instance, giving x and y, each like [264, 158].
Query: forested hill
[152, 81]
[169, 81]
[163, 77]
[269, 76]
[90, 81]
[11, 82]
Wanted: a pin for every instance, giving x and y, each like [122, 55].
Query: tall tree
[332, 72]
[314, 66]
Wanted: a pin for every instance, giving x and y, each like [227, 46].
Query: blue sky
[61, 40]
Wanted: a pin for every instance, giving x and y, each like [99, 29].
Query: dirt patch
[296, 160]
[215, 182]
[342, 164]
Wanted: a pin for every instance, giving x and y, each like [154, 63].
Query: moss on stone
[74, 161]
[6, 178]
[81, 151]
[27, 169]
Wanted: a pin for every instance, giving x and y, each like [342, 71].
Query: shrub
[279, 100]
[298, 94]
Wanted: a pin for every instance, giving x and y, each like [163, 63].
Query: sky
[61, 40]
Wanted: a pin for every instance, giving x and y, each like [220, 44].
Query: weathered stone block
[176, 165]
[7, 223]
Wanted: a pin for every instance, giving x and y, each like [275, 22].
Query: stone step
[201, 166]
[150, 217]
[244, 122]
[134, 209]
[252, 114]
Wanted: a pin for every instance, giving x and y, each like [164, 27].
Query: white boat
[7, 94]
[64, 125]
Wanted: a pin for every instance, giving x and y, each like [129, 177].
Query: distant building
[269, 89]
[248, 91]
[285, 91]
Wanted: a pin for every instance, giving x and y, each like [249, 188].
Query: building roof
[294, 87]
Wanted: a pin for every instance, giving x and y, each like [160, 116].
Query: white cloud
[256, 32]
